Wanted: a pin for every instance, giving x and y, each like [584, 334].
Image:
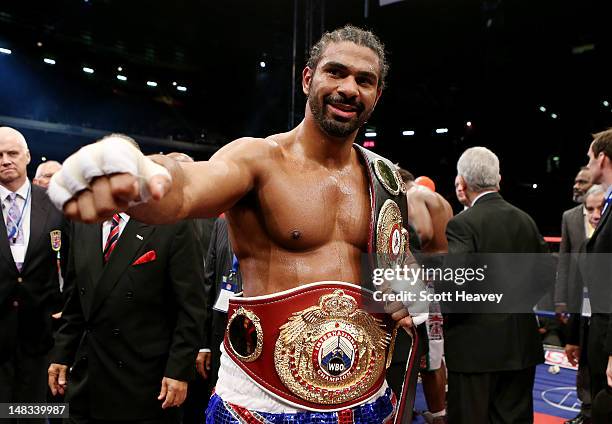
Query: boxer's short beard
[334, 127]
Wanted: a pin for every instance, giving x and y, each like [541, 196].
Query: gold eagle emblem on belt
[332, 352]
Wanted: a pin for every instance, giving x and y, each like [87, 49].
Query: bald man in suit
[33, 242]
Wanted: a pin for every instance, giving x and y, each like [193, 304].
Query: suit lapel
[38, 223]
[5, 248]
[121, 258]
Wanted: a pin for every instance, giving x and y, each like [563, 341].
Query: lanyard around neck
[18, 225]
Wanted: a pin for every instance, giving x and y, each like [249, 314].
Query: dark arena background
[530, 80]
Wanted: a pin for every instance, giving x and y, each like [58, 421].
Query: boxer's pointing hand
[106, 177]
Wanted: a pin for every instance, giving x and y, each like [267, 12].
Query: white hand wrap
[111, 155]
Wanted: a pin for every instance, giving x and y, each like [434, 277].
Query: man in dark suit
[34, 238]
[599, 262]
[219, 266]
[574, 225]
[491, 358]
[133, 321]
[575, 229]
[200, 388]
[576, 347]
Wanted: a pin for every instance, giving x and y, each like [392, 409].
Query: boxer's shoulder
[249, 148]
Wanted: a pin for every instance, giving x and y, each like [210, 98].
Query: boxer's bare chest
[302, 223]
[306, 208]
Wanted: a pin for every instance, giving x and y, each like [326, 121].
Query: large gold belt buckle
[331, 353]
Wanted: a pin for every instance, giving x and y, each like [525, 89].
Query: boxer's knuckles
[87, 207]
[105, 196]
[123, 188]
[71, 210]
[107, 177]
[107, 201]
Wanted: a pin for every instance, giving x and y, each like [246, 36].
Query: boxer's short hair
[355, 35]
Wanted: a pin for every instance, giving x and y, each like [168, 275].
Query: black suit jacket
[28, 298]
[568, 289]
[127, 326]
[218, 263]
[575, 327]
[493, 342]
[599, 271]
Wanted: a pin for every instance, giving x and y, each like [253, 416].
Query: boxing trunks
[379, 411]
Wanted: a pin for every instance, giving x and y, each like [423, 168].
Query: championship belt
[316, 347]
[388, 234]
[326, 346]
[389, 245]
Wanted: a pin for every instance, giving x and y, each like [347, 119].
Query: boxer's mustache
[339, 99]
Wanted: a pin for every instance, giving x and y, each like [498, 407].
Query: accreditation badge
[56, 240]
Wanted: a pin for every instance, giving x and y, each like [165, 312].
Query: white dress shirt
[23, 193]
[106, 227]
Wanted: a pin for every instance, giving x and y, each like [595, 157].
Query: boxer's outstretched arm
[107, 177]
[228, 176]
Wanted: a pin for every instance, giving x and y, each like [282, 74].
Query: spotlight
[606, 103]
[554, 116]
[49, 61]
[39, 44]
[181, 88]
[370, 134]
[441, 130]
[44, 159]
[88, 70]
[542, 109]
[174, 83]
[119, 68]
[468, 124]
[5, 51]
[408, 132]
[151, 83]
[262, 64]
[121, 77]
[534, 186]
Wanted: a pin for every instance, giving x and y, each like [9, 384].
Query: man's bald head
[45, 171]
[14, 158]
[8, 133]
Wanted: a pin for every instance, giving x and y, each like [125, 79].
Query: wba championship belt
[316, 347]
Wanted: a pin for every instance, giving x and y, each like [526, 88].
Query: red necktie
[113, 236]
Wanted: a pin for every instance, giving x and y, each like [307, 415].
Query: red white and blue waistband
[380, 411]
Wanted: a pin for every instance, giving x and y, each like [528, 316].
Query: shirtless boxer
[299, 208]
[429, 213]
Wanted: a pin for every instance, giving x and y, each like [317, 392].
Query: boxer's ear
[307, 75]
